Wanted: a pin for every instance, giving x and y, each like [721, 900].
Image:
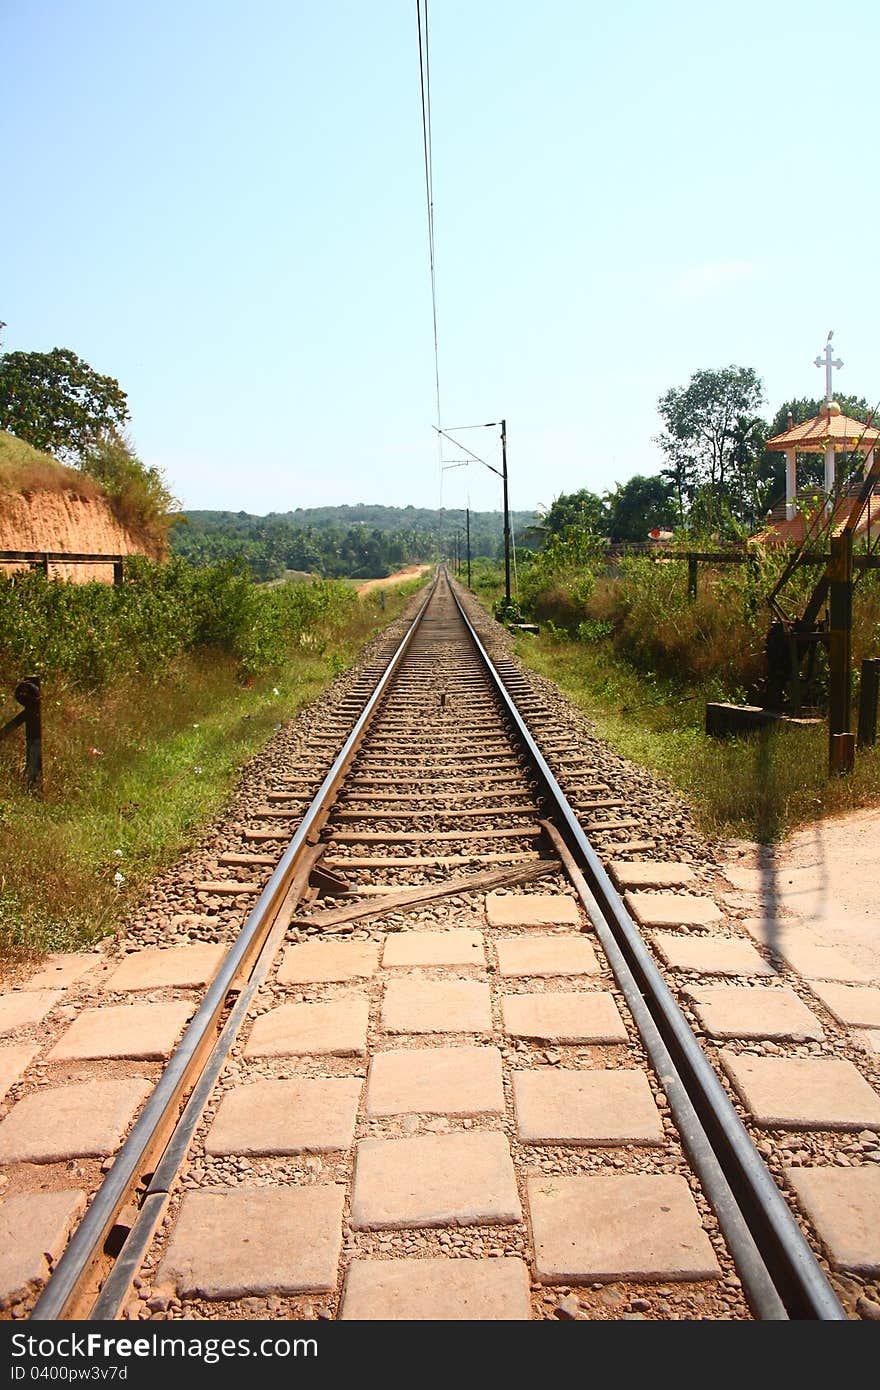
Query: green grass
[133, 774]
[757, 787]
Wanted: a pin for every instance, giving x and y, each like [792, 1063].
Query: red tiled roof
[840, 430]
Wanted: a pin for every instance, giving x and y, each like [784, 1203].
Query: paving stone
[436, 1006]
[710, 955]
[141, 1031]
[531, 910]
[62, 968]
[436, 1081]
[817, 962]
[13, 1061]
[585, 1107]
[338, 1029]
[811, 958]
[34, 1227]
[462, 1179]
[541, 956]
[766, 1012]
[85, 1119]
[326, 962]
[856, 1006]
[22, 1007]
[803, 1092]
[843, 1205]
[459, 947]
[563, 1018]
[241, 1242]
[672, 909]
[304, 1115]
[650, 873]
[631, 1226]
[436, 1290]
[870, 1038]
[156, 967]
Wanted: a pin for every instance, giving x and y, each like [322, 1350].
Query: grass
[24, 469]
[758, 787]
[132, 776]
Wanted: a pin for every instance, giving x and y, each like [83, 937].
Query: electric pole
[468, 520]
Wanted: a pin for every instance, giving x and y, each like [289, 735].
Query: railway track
[434, 1056]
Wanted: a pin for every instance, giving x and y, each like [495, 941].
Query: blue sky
[222, 205]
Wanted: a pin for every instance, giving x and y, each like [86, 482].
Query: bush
[86, 634]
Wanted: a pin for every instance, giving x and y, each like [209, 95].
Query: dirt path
[399, 577]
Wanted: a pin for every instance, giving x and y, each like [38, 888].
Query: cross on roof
[824, 360]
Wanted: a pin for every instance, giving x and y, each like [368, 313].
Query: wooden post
[840, 647]
[869, 689]
[692, 576]
[118, 574]
[27, 693]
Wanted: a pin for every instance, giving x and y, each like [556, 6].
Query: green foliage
[638, 507]
[89, 634]
[366, 542]
[713, 439]
[57, 402]
[138, 493]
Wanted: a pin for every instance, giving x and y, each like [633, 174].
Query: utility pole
[468, 519]
[506, 512]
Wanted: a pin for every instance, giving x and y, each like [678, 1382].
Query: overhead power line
[427, 147]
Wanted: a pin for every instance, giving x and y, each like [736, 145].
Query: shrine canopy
[830, 428]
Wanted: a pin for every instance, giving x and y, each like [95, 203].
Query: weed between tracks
[135, 770]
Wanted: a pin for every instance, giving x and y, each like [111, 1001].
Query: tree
[637, 507]
[705, 426]
[58, 403]
[138, 494]
[582, 511]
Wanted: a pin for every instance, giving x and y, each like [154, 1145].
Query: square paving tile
[304, 1115]
[650, 873]
[765, 1012]
[563, 1018]
[326, 962]
[34, 1228]
[87, 1119]
[632, 1226]
[436, 1081]
[844, 1206]
[240, 1242]
[672, 909]
[436, 1290]
[531, 910]
[803, 1092]
[542, 956]
[335, 1029]
[710, 955]
[585, 1107]
[22, 1006]
[856, 1006]
[458, 947]
[62, 968]
[434, 1180]
[13, 1061]
[817, 962]
[436, 1006]
[156, 967]
[140, 1031]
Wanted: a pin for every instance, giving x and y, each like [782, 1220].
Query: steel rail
[181, 1074]
[774, 1234]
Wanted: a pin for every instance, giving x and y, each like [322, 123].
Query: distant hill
[361, 542]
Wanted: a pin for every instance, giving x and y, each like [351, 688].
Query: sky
[222, 205]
